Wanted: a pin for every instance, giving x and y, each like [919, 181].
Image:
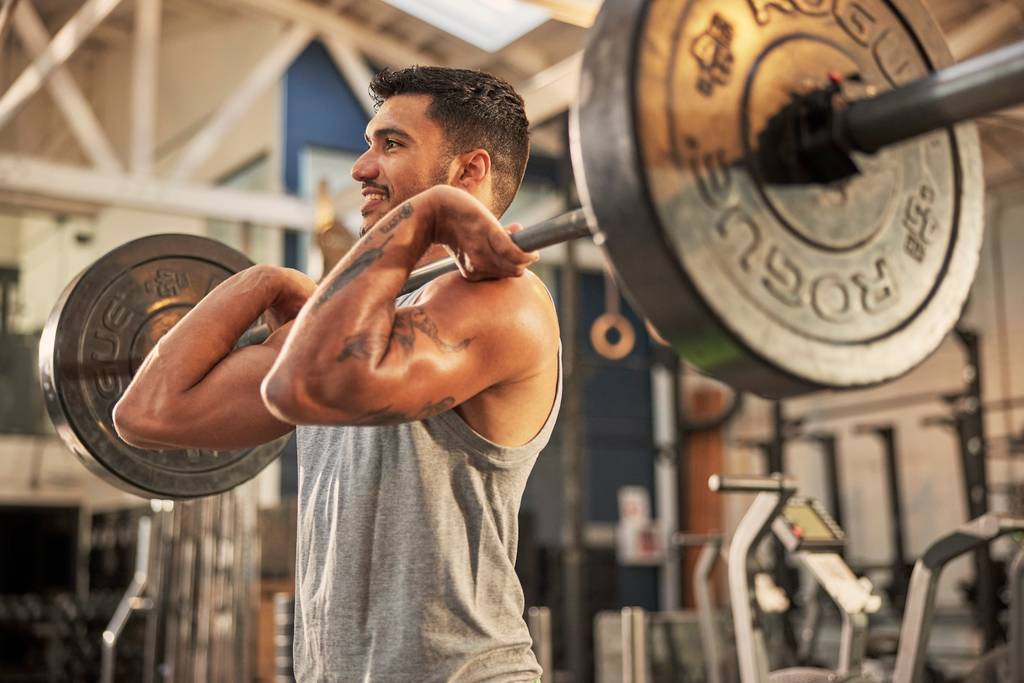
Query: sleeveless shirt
[406, 549]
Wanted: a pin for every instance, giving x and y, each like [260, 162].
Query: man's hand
[481, 247]
[294, 289]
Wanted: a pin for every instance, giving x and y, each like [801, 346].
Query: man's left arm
[353, 358]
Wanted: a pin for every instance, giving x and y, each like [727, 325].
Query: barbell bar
[973, 88]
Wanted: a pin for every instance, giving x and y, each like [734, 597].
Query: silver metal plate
[774, 288]
[99, 332]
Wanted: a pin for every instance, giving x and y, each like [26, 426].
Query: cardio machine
[809, 534]
[1001, 665]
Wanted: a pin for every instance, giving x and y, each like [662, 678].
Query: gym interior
[782, 477]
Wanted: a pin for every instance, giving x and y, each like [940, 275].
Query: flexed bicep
[463, 338]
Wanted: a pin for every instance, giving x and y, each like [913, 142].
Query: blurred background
[239, 120]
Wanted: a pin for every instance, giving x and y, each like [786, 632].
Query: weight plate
[780, 288]
[105, 322]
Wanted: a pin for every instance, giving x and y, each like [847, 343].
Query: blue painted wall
[319, 109]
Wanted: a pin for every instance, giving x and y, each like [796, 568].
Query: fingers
[502, 244]
[486, 251]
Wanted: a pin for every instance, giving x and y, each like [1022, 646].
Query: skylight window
[488, 24]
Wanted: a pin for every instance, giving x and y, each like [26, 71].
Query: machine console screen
[811, 526]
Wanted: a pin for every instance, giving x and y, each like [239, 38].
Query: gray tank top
[405, 561]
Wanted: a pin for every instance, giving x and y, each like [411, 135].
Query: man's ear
[474, 169]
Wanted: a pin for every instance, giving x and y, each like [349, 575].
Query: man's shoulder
[527, 292]
[519, 307]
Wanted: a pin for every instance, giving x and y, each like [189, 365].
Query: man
[422, 417]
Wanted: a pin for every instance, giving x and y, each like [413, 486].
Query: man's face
[407, 154]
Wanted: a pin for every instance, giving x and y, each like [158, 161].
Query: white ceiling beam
[145, 77]
[580, 13]
[65, 92]
[13, 202]
[328, 23]
[983, 29]
[354, 70]
[61, 181]
[523, 56]
[266, 72]
[63, 45]
[553, 90]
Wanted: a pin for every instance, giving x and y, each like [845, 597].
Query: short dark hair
[475, 110]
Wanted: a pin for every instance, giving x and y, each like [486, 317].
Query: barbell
[783, 187]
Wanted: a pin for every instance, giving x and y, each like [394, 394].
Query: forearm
[223, 412]
[343, 331]
[205, 336]
[169, 402]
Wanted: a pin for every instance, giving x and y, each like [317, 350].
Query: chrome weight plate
[774, 287]
[105, 322]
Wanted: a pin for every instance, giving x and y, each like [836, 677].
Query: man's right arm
[194, 390]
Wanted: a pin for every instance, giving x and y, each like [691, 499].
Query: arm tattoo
[403, 212]
[416, 318]
[388, 416]
[361, 263]
[363, 346]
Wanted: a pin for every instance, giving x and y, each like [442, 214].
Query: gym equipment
[1005, 664]
[900, 569]
[132, 601]
[634, 645]
[805, 530]
[611, 334]
[99, 332]
[781, 284]
[788, 283]
[538, 620]
[719, 152]
[917, 617]
[709, 634]
[719, 656]
[966, 419]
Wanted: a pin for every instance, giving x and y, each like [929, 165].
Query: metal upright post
[776, 454]
[709, 636]
[1016, 580]
[634, 645]
[131, 601]
[785, 576]
[971, 432]
[666, 433]
[900, 569]
[538, 620]
[830, 459]
[575, 628]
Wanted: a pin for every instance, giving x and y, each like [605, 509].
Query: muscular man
[419, 418]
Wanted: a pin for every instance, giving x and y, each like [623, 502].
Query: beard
[438, 177]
